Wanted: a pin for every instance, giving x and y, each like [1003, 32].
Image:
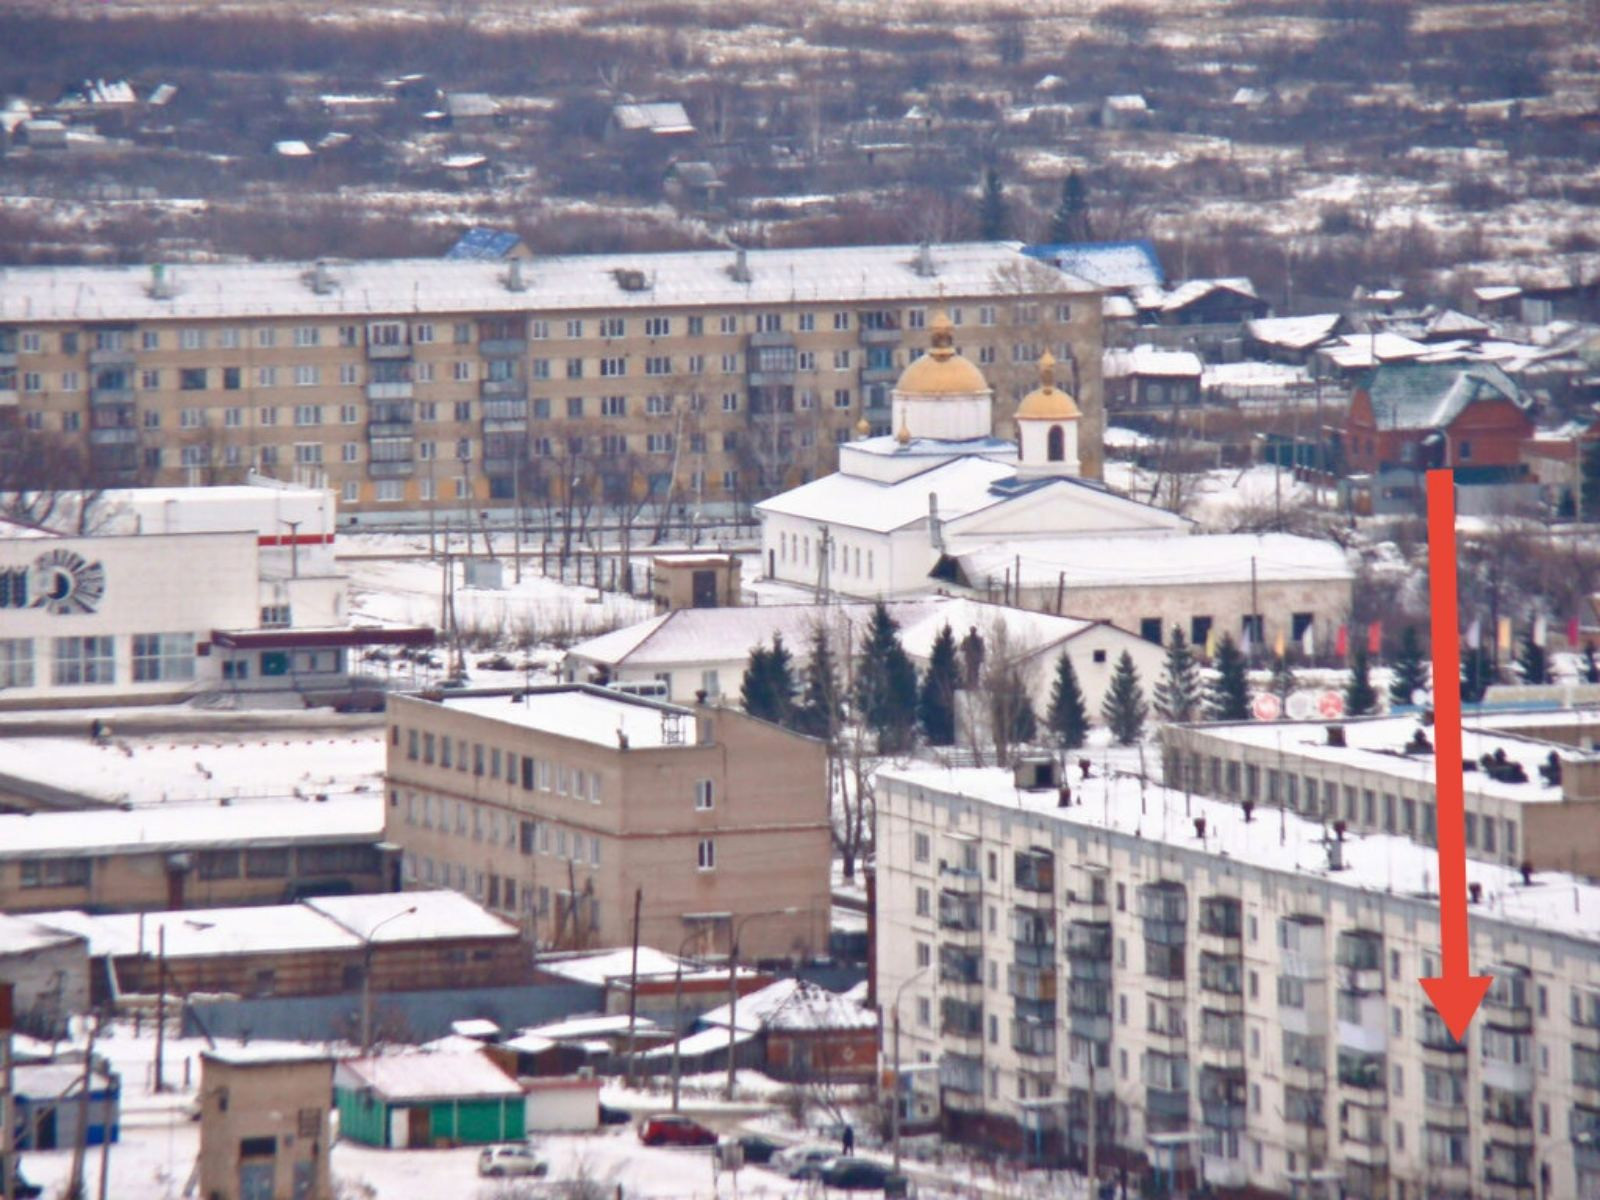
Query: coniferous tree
[1477, 673]
[1531, 659]
[1230, 699]
[756, 691]
[1359, 696]
[1410, 668]
[1124, 708]
[1591, 665]
[992, 207]
[936, 707]
[1024, 721]
[1070, 221]
[1179, 692]
[886, 684]
[1067, 716]
[820, 708]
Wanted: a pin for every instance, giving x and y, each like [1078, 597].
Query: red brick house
[1421, 415]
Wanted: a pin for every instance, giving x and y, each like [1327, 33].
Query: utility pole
[80, 1143]
[633, 982]
[1094, 1128]
[294, 546]
[161, 1005]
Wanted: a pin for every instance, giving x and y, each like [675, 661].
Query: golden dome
[941, 371]
[1048, 402]
[863, 427]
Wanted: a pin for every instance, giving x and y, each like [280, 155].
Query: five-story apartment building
[703, 376]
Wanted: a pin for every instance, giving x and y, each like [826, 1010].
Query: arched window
[1055, 444]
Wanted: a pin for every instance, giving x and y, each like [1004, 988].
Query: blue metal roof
[1106, 264]
[483, 244]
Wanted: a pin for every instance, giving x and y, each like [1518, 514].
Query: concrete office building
[556, 804]
[700, 376]
[1239, 997]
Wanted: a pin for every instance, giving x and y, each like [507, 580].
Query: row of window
[485, 823]
[76, 661]
[846, 560]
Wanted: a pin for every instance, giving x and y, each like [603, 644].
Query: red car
[675, 1131]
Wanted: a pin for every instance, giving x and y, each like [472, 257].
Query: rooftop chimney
[1336, 736]
[321, 280]
[1200, 828]
[740, 271]
[161, 287]
[515, 281]
[1475, 893]
[923, 263]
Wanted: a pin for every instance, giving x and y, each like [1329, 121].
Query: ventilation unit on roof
[515, 280]
[739, 272]
[923, 263]
[629, 280]
[161, 284]
[319, 279]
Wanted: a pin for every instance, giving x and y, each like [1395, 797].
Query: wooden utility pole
[161, 1006]
[80, 1143]
[633, 982]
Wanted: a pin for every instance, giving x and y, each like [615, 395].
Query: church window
[1055, 445]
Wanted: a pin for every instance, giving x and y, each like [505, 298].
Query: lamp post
[733, 995]
[366, 976]
[677, 1014]
[894, 1099]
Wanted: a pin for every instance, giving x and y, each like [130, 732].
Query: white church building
[918, 511]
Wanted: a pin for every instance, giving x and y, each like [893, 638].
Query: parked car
[805, 1161]
[496, 1162]
[862, 1174]
[614, 1116]
[669, 1130]
[758, 1149]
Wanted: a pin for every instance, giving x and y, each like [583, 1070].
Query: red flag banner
[1341, 642]
[1375, 637]
[1572, 633]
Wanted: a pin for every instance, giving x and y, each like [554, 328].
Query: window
[349, 374]
[55, 872]
[307, 335]
[188, 339]
[461, 370]
[308, 454]
[612, 368]
[162, 656]
[841, 360]
[307, 376]
[16, 655]
[704, 794]
[192, 379]
[308, 414]
[707, 855]
[81, 660]
[266, 376]
[613, 327]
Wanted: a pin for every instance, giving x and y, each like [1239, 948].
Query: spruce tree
[756, 691]
[886, 684]
[1230, 698]
[1359, 696]
[1477, 673]
[820, 710]
[1591, 665]
[1067, 715]
[936, 707]
[1024, 722]
[1179, 691]
[1410, 669]
[992, 207]
[1070, 221]
[1531, 660]
[1124, 708]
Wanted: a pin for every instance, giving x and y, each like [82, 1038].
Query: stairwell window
[704, 795]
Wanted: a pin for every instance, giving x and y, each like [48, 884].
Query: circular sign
[1330, 704]
[1266, 707]
[1302, 705]
[1422, 697]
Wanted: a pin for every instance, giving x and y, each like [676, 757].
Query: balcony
[1088, 941]
[771, 339]
[8, 397]
[1035, 871]
[512, 388]
[389, 429]
[1307, 1077]
[503, 347]
[1080, 1076]
[388, 350]
[1368, 1154]
[392, 469]
[110, 395]
[871, 375]
[1034, 1038]
[959, 879]
[1507, 1076]
[497, 465]
[115, 436]
[881, 337]
[958, 912]
[960, 1019]
[1167, 1107]
[110, 358]
[1031, 983]
[1361, 1070]
[961, 1073]
[8, 357]
[402, 389]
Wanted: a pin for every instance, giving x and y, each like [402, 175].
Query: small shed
[49, 1109]
[414, 1100]
[807, 1032]
[695, 580]
[562, 1104]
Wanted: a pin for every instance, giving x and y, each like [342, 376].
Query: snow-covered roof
[661, 116]
[1431, 395]
[1117, 308]
[149, 771]
[1128, 102]
[378, 286]
[1286, 843]
[1111, 265]
[1377, 744]
[1369, 349]
[102, 91]
[707, 1041]
[26, 935]
[964, 485]
[475, 1027]
[1449, 321]
[1293, 333]
[439, 914]
[1490, 293]
[1147, 361]
[1186, 294]
[1091, 561]
[1251, 373]
[583, 1028]
[207, 932]
[423, 1076]
[794, 1005]
[582, 713]
[175, 827]
[264, 1054]
[292, 148]
[471, 104]
[598, 966]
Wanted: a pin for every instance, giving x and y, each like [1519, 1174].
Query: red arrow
[1455, 993]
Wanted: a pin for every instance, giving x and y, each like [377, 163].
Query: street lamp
[733, 995]
[894, 1100]
[677, 1013]
[366, 976]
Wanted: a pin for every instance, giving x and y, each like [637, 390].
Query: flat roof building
[555, 805]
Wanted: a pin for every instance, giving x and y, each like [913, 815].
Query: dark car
[675, 1131]
[758, 1149]
[614, 1116]
[862, 1174]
